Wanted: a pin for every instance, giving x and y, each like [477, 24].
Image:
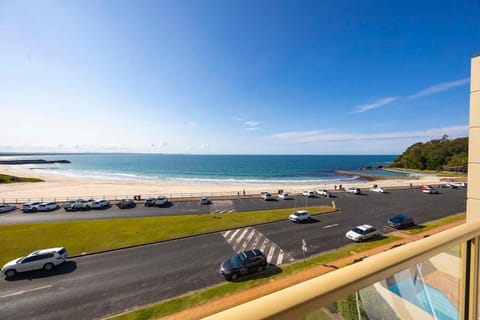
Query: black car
[150, 202]
[243, 263]
[401, 221]
[126, 203]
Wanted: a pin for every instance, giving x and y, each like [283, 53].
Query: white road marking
[270, 254]
[24, 291]
[280, 258]
[233, 235]
[330, 226]
[240, 237]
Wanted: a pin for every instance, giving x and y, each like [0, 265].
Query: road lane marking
[250, 238]
[330, 226]
[280, 257]
[270, 254]
[24, 291]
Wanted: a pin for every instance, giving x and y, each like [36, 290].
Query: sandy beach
[60, 187]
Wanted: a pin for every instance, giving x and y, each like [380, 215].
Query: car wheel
[260, 269]
[34, 209]
[48, 266]
[10, 273]
[234, 277]
[309, 219]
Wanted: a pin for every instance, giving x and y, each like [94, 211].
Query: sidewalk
[237, 298]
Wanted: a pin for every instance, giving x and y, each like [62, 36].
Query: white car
[41, 259]
[285, 196]
[308, 194]
[378, 189]
[30, 207]
[266, 195]
[322, 192]
[161, 201]
[99, 204]
[48, 206]
[430, 191]
[204, 200]
[363, 232]
[459, 184]
[353, 190]
[6, 208]
[299, 216]
[76, 205]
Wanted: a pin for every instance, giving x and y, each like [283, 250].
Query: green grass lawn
[98, 235]
[11, 179]
[422, 228]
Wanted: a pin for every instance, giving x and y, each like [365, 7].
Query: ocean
[212, 169]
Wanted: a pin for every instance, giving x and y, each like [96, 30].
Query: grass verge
[99, 235]
[436, 223]
[11, 179]
[224, 289]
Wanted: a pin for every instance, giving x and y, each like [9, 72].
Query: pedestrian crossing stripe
[250, 238]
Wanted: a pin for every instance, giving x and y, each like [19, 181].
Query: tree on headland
[436, 154]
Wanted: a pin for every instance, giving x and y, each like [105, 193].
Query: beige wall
[473, 194]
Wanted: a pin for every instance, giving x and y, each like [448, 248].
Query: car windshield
[357, 230]
[237, 260]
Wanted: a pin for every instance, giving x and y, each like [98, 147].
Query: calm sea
[213, 168]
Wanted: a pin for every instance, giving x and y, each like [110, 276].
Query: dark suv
[401, 221]
[245, 262]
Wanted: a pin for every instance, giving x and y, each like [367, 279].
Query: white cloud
[439, 88]
[251, 125]
[377, 104]
[205, 146]
[193, 125]
[309, 137]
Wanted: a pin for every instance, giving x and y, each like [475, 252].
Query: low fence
[171, 196]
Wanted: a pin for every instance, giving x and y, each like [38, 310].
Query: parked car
[77, 205]
[449, 185]
[99, 204]
[41, 259]
[353, 190]
[161, 201]
[204, 200]
[400, 221]
[363, 232]
[285, 196]
[378, 189]
[266, 195]
[149, 202]
[430, 191]
[425, 186]
[30, 207]
[243, 263]
[6, 208]
[299, 216]
[460, 184]
[126, 204]
[47, 206]
[308, 193]
[322, 192]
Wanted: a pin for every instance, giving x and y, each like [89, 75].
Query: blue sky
[234, 77]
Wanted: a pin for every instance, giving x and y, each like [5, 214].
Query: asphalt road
[98, 285]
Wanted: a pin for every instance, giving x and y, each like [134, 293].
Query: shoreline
[59, 186]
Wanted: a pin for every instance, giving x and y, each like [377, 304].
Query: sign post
[304, 248]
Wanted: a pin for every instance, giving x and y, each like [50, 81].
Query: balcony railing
[405, 262]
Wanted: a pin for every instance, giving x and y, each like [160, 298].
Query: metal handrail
[299, 300]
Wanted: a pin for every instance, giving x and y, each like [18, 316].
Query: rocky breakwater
[32, 161]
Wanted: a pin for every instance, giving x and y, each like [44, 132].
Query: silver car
[44, 259]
